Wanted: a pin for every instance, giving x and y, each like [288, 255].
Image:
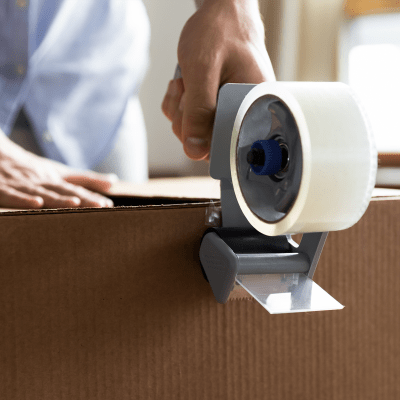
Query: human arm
[223, 42]
[30, 181]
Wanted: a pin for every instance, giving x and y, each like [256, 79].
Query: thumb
[201, 90]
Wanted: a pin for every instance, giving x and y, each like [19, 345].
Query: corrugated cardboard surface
[389, 160]
[111, 304]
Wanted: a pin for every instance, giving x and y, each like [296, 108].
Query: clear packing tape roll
[332, 158]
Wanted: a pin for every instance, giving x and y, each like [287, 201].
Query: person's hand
[29, 181]
[223, 42]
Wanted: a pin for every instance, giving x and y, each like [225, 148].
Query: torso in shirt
[72, 65]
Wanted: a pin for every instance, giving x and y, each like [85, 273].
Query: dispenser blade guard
[287, 293]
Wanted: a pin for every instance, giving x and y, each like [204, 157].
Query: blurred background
[356, 41]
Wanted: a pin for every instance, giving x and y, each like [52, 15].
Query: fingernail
[105, 202]
[112, 178]
[196, 147]
[76, 201]
[109, 203]
[39, 200]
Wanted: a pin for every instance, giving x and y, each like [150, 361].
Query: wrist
[248, 7]
[244, 15]
[245, 3]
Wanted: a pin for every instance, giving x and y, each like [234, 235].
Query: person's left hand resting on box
[30, 181]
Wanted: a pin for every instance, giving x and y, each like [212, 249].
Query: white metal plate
[287, 293]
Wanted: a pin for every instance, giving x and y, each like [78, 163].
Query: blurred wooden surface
[354, 8]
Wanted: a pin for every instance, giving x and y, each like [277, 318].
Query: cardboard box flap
[385, 193]
[139, 204]
[176, 191]
[186, 187]
[154, 193]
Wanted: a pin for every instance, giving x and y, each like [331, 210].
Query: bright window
[370, 49]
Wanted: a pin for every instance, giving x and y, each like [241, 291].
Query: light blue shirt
[72, 65]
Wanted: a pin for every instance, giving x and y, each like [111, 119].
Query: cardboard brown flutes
[111, 304]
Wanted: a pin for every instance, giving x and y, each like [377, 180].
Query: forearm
[245, 12]
[247, 4]
[241, 2]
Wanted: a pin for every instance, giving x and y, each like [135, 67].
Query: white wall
[166, 156]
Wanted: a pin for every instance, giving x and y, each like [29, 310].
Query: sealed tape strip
[213, 215]
[287, 293]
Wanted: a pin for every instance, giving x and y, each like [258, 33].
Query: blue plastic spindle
[265, 157]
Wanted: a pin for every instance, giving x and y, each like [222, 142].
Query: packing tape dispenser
[291, 157]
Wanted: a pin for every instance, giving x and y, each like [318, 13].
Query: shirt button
[47, 137]
[20, 69]
[21, 3]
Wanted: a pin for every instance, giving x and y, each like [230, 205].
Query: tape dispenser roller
[291, 157]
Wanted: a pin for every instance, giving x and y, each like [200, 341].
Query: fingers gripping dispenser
[291, 158]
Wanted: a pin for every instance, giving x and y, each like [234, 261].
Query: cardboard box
[389, 170]
[111, 304]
